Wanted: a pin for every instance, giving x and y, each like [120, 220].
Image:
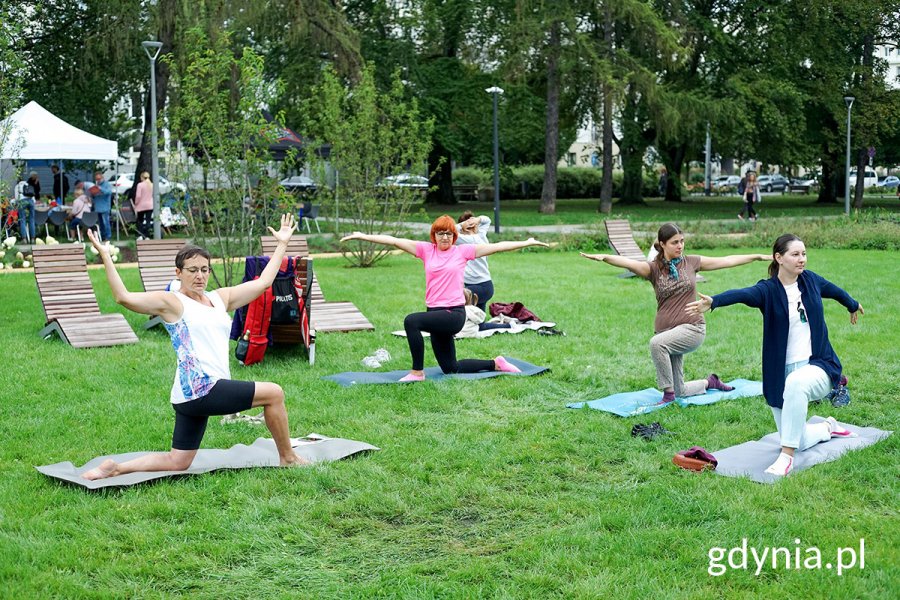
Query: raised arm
[712, 263]
[488, 249]
[408, 246]
[164, 304]
[641, 268]
[245, 293]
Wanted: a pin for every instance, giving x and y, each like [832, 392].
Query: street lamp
[152, 49]
[849, 101]
[496, 91]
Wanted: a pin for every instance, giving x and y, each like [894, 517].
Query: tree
[218, 116]
[12, 70]
[371, 135]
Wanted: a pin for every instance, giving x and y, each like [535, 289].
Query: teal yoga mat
[631, 404]
[431, 374]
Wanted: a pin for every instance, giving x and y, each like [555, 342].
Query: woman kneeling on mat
[445, 316]
[799, 364]
[199, 325]
[674, 279]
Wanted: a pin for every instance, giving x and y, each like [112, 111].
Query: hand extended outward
[855, 314]
[101, 247]
[597, 257]
[699, 306]
[356, 235]
[288, 227]
[533, 242]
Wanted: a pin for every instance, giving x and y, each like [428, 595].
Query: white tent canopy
[37, 134]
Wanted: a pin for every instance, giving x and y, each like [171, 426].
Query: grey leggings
[667, 349]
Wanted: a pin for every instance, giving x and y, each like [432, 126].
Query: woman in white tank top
[199, 324]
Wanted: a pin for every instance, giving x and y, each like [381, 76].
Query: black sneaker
[550, 331]
[650, 431]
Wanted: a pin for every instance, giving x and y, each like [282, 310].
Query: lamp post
[152, 49]
[496, 91]
[849, 101]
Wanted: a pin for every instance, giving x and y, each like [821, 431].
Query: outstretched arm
[488, 249]
[164, 304]
[386, 240]
[245, 293]
[641, 268]
[712, 263]
[835, 292]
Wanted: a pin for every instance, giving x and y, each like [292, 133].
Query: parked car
[406, 180]
[891, 181]
[726, 181]
[126, 181]
[770, 183]
[870, 178]
[300, 184]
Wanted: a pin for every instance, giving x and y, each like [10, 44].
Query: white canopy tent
[37, 134]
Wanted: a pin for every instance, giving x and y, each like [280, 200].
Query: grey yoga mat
[431, 374]
[261, 453]
[751, 459]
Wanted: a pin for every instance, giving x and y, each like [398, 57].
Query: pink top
[82, 205]
[143, 196]
[444, 271]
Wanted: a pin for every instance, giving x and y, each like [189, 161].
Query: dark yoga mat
[751, 459]
[431, 374]
[261, 453]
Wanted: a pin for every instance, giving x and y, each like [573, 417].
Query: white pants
[802, 382]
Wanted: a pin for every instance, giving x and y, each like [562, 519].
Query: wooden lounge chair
[302, 333]
[69, 302]
[621, 240]
[156, 262]
[326, 316]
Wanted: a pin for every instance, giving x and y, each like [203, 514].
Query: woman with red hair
[445, 314]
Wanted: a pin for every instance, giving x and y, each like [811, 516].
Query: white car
[406, 180]
[126, 181]
[891, 181]
[870, 179]
[726, 181]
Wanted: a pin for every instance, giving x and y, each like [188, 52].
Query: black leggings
[748, 206]
[226, 397]
[442, 324]
[145, 222]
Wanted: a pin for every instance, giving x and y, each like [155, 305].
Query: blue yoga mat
[431, 374]
[630, 404]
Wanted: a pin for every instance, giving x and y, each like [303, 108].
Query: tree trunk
[167, 11]
[632, 147]
[441, 175]
[673, 159]
[832, 182]
[606, 184]
[868, 60]
[551, 145]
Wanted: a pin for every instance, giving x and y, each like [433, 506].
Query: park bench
[465, 192]
[156, 263]
[69, 302]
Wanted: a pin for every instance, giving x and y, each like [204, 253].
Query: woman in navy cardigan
[799, 364]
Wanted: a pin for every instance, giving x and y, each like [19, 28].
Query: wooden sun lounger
[156, 262]
[621, 240]
[69, 302]
[326, 316]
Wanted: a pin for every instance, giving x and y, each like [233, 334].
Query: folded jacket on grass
[262, 453]
[630, 404]
[751, 459]
[515, 327]
[431, 374]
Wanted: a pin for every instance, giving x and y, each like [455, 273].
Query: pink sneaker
[501, 364]
[837, 431]
[412, 377]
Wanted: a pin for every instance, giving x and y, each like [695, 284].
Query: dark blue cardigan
[769, 297]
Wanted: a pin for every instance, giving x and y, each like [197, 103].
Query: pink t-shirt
[444, 271]
[143, 196]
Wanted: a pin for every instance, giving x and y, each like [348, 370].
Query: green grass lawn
[483, 489]
[695, 208]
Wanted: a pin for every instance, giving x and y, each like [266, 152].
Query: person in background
[81, 205]
[473, 230]
[475, 318]
[60, 186]
[101, 197]
[143, 205]
[30, 192]
[750, 196]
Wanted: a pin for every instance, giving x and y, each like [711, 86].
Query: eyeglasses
[801, 311]
[195, 270]
[448, 234]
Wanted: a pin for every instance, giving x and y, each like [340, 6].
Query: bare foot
[108, 468]
[293, 460]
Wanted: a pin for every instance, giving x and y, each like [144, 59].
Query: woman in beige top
[143, 205]
[674, 279]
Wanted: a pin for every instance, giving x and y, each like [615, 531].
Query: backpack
[28, 190]
[742, 186]
[285, 308]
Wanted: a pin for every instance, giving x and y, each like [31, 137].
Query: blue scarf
[672, 264]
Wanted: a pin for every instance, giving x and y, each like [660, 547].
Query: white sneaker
[837, 430]
[782, 466]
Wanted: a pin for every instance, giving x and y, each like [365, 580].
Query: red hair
[443, 223]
